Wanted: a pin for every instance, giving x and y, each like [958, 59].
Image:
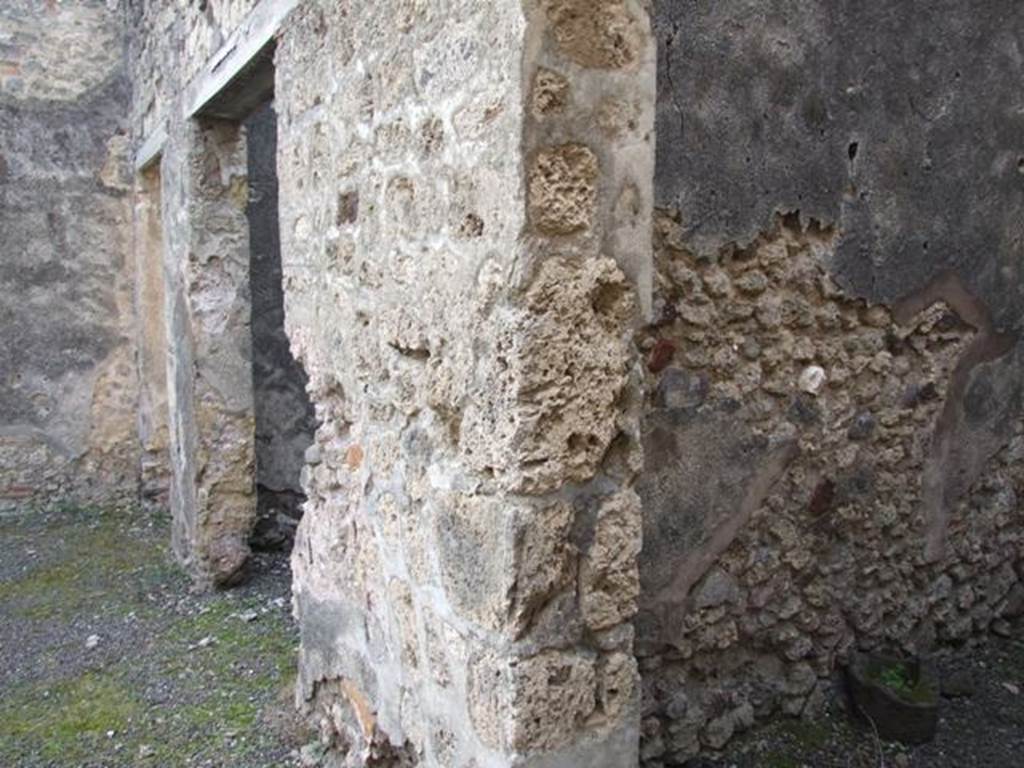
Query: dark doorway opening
[284, 417]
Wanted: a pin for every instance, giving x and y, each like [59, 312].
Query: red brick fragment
[661, 355]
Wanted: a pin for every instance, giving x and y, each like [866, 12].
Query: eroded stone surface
[609, 579]
[562, 189]
[208, 314]
[551, 93]
[465, 383]
[465, 216]
[596, 33]
[562, 363]
[831, 398]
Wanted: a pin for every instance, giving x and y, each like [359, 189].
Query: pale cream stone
[609, 578]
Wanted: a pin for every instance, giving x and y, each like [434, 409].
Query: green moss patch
[69, 720]
[92, 554]
[176, 680]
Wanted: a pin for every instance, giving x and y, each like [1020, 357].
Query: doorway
[284, 417]
[240, 420]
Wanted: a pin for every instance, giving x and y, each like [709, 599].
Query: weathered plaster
[67, 384]
[58, 52]
[152, 340]
[905, 135]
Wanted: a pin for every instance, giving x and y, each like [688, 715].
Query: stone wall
[808, 397]
[465, 246]
[67, 377]
[465, 205]
[833, 431]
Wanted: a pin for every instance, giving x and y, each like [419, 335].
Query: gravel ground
[981, 723]
[107, 660]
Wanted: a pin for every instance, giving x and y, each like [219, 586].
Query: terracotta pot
[900, 697]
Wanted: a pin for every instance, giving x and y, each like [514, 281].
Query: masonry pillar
[465, 215]
[209, 368]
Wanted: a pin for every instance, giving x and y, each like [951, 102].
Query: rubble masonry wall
[832, 429]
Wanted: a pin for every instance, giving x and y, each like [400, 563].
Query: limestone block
[554, 694]
[475, 550]
[609, 576]
[602, 34]
[500, 564]
[490, 698]
[546, 404]
[618, 685]
[563, 189]
[550, 94]
[543, 559]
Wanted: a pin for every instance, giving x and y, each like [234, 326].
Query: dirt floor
[107, 660]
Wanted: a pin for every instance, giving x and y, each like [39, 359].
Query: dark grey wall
[896, 126]
[66, 380]
[284, 416]
[901, 121]
[57, 269]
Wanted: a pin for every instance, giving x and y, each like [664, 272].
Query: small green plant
[897, 678]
